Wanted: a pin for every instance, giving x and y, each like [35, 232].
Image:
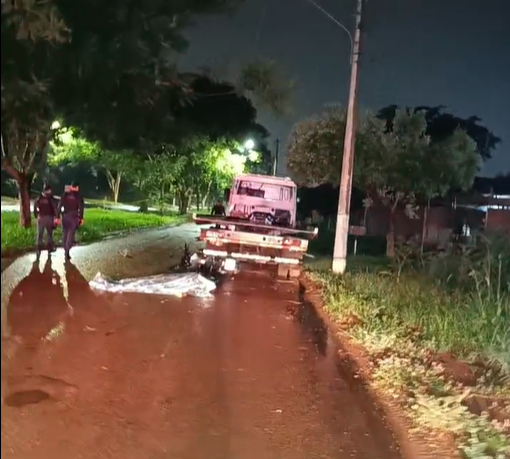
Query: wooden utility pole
[344, 198]
[276, 156]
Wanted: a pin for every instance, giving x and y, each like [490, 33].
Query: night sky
[415, 52]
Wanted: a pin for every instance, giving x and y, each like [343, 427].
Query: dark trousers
[45, 224]
[70, 223]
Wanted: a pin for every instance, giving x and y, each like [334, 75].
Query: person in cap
[46, 214]
[72, 209]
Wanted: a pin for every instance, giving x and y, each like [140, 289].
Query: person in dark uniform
[218, 210]
[72, 210]
[46, 214]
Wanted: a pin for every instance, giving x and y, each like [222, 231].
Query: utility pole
[344, 198]
[276, 155]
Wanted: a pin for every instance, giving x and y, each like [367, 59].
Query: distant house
[490, 197]
[485, 207]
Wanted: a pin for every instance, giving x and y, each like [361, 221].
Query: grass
[98, 224]
[9, 200]
[456, 303]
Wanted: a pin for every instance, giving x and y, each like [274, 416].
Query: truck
[259, 226]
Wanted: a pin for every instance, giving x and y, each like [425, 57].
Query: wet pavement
[248, 374]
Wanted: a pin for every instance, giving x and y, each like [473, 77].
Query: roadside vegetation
[437, 329]
[98, 224]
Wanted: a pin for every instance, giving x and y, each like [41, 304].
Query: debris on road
[177, 284]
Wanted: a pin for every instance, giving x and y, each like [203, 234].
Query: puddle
[26, 397]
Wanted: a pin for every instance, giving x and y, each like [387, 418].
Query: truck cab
[263, 199]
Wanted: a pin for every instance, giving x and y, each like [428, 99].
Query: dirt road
[249, 374]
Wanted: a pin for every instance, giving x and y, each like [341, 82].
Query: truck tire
[289, 271]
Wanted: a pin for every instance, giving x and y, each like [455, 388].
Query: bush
[98, 224]
[483, 267]
[386, 305]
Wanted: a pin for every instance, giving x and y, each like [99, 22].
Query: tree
[315, 147]
[395, 165]
[441, 125]
[26, 107]
[34, 20]
[264, 160]
[266, 86]
[205, 165]
[24, 137]
[70, 148]
[215, 109]
[402, 166]
[112, 79]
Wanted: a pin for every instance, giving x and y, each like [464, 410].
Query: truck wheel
[289, 271]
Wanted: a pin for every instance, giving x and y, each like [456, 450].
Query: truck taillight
[290, 242]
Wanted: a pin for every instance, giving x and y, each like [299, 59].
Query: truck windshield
[265, 191]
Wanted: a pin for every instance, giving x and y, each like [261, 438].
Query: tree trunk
[205, 196]
[116, 189]
[424, 226]
[390, 236]
[183, 201]
[25, 212]
[162, 192]
[114, 184]
[198, 199]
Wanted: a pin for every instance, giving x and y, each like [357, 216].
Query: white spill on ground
[178, 284]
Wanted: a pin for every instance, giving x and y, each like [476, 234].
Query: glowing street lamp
[249, 144]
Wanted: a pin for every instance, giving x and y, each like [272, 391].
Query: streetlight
[344, 199]
[336, 21]
[249, 144]
[344, 196]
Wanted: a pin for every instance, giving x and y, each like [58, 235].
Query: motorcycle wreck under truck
[259, 227]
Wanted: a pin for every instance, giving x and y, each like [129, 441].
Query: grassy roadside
[98, 224]
[438, 335]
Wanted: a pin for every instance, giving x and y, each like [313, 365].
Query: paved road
[249, 374]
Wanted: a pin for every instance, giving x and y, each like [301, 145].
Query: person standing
[46, 214]
[218, 210]
[72, 209]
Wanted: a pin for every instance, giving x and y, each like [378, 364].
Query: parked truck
[260, 226]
